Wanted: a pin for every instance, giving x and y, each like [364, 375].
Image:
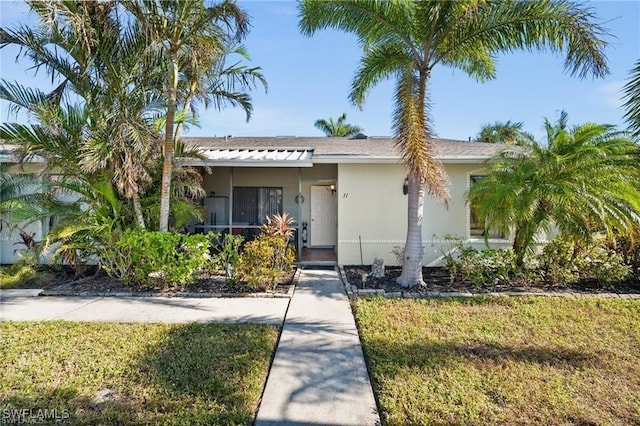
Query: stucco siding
[372, 213]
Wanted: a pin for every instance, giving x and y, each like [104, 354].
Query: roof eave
[357, 159]
[197, 162]
[354, 159]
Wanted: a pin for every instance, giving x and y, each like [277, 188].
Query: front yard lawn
[104, 373]
[518, 360]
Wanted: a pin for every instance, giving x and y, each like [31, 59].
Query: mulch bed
[439, 280]
[101, 283]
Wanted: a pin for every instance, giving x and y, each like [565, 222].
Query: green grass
[486, 361]
[159, 373]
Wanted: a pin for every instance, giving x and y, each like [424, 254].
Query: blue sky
[309, 78]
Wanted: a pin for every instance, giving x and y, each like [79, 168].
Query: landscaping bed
[438, 282]
[503, 360]
[203, 286]
[105, 373]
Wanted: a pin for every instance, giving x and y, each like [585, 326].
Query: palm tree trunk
[187, 106]
[413, 251]
[138, 210]
[167, 166]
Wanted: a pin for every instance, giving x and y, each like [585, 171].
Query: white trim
[382, 159]
[432, 241]
[480, 171]
[355, 159]
[196, 162]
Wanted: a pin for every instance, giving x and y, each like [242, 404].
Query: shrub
[628, 246]
[563, 261]
[483, 267]
[226, 253]
[16, 274]
[280, 225]
[140, 257]
[398, 253]
[265, 261]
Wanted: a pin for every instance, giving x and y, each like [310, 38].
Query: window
[252, 205]
[476, 227]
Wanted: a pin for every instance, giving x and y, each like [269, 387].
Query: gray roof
[337, 149]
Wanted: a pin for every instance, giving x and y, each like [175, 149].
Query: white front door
[323, 216]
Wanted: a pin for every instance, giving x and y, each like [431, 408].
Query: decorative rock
[377, 269]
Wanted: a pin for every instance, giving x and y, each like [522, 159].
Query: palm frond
[631, 97]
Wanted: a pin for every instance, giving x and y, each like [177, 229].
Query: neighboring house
[346, 195]
[10, 241]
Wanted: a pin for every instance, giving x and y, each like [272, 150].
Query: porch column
[299, 233]
[231, 201]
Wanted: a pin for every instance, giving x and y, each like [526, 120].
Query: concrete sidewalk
[318, 376]
[25, 305]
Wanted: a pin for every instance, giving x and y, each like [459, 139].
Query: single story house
[346, 194]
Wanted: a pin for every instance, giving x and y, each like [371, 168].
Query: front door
[323, 216]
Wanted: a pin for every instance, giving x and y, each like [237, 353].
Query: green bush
[16, 274]
[226, 253]
[563, 261]
[628, 246]
[265, 261]
[482, 267]
[141, 257]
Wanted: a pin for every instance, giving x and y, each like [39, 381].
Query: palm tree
[407, 39]
[507, 133]
[337, 128]
[217, 83]
[97, 57]
[189, 38]
[584, 180]
[632, 101]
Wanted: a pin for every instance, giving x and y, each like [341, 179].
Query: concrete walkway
[25, 305]
[318, 376]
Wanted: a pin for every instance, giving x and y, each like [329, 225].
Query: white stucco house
[345, 194]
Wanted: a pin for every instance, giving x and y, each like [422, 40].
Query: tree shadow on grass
[214, 372]
[477, 351]
[188, 374]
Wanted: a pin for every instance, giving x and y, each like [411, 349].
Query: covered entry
[246, 186]
[323, 216]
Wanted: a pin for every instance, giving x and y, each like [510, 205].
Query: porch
[241, 198]
[318, 256]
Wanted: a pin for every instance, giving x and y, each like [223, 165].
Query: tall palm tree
[632, 101]
[97, 57]
[407, 39]
[507, 133]
[186, 36]
[585, 179]
[219, 84]
[338, 128]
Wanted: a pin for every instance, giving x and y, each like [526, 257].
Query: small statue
[377, 269]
